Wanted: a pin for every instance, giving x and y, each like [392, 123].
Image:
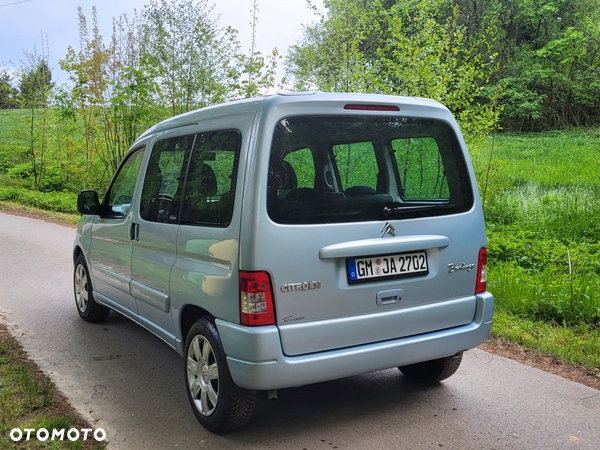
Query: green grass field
[542, 209]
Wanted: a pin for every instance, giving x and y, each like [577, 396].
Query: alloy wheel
[81, 288]
[203, 375]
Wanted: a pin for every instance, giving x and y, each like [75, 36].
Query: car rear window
[334, 169]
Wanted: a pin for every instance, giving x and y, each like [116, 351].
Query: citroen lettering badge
[388, 228]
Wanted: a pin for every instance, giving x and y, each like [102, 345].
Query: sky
[22, 24]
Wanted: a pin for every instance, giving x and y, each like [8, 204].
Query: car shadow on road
[379, 397]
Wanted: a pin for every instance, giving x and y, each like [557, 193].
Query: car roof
[251, 105]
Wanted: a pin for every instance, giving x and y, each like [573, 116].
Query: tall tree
[427, 57]
[190, 53]
[401, 48]
[336, 54]
[8, 93]
[539, 60]
[112, 92]
[259, 71]
[549, 59]
[36, 82]
[35, 86]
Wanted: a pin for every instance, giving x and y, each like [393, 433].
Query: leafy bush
[52, 201]
[531, 251]
[21, 171]
[52, 180]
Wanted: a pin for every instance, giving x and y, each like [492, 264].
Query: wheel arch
[76, 252]
[189, 315]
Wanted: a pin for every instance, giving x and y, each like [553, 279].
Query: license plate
[377, 268]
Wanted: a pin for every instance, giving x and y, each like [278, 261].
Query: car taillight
[256, 299]
[480, 285]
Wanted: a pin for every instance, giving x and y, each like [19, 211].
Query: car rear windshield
[333, 169]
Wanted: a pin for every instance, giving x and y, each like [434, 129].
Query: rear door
[365, 215]
[205, 273]
[155, 238]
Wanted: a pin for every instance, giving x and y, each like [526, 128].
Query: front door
[111, 237]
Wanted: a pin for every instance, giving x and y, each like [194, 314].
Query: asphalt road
[125, 380]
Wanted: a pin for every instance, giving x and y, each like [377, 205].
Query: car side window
[357, 167]
[420, 168]
[304, 167]
[210, 189]
[120, 193]
[163, 184]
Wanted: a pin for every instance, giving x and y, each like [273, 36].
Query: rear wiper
[400, 209]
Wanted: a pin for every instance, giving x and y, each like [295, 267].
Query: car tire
[218, 403]
[88, 309]
[434, 371]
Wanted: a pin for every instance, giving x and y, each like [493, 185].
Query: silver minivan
[292, 239]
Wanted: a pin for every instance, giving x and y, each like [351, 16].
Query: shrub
[52, 201]
[21, 171]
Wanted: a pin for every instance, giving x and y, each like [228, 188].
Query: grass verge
[42, 214]
[29, 400]
[576, 346]
[65, 202]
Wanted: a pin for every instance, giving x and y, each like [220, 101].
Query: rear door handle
[134, 231]
[389, 297]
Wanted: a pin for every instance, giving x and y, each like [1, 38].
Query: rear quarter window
[420, 168]
[210, 183]
[356, 164]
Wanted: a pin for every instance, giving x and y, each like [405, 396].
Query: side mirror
[88, 202]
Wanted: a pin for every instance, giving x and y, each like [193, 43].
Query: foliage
[549, 59]
[548, 295]
[76, 135]
[172, 58]
[36, 82]
[111, 92]
[437, 59]
[403, 48]
[189, 52]
[8, 93]
[335, 55]
[52, 201]
[260, 71]
[579, 345]
[35, 85]
[536, 64]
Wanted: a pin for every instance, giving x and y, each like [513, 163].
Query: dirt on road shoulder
[546, 363]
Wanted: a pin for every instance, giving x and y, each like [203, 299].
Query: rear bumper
[256, 359]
